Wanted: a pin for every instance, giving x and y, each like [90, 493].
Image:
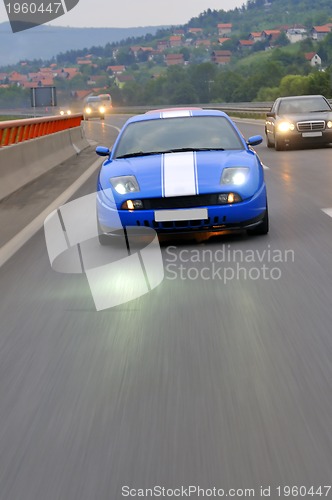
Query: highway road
[220, 377]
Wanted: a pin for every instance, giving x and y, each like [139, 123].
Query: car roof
[176, 113]
[292, 97]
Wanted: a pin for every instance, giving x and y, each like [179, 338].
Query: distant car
[182, 170]
[106, 100]
[299, 120]
[65, 111]
[94, 108]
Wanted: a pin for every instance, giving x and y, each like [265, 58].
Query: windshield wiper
[184, 150]
[137, 153]
[165, 151]
[320, 111]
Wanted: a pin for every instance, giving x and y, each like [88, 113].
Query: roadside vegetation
[259, 74]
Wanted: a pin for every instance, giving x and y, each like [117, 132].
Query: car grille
[203, 224]
[199, 200]
[309, 126]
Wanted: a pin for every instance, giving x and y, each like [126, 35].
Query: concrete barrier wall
[24, 162]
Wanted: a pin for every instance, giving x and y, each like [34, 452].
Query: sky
[133, 13]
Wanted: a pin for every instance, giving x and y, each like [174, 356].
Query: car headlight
[62, 112]
[234, 175]
[88, 110]
[102, 109]
[68, 112]
[329, 124]
[125, 184]
[285, 126]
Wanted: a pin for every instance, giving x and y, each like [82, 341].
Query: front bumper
[248, 213]
[298, 138]
[94, 114]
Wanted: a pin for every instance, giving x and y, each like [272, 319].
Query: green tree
[202, 77]
[184, 93]
[293, 85]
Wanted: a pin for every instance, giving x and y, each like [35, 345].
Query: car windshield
[105, 97]
[308, 105]
[177, 134]
[93, 99]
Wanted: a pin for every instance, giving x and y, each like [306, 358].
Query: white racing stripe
[178, 174]
[176, 113]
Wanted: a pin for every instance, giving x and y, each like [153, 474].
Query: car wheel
[279, 145]
[102, 117]
[263, 227]
[268, 142]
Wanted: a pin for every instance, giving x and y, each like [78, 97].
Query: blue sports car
[181, 170]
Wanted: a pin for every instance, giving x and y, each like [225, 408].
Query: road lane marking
[327, 211]
[17, 242]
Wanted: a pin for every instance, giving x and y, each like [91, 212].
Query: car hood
[182, 174]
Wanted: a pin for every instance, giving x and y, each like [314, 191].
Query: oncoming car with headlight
[299, 120]
[182, 170]
[106, 100]
[65, 112]
[94, 108]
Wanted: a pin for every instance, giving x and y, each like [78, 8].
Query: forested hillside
[209, 67]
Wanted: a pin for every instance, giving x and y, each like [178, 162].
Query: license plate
[312, 134]
[182, 214]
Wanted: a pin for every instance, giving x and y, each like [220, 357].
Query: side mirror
[255, 140]
[270, 114]
[103, 151]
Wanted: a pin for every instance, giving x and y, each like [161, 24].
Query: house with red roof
[204, 42]
[18, 78]
[222, 40]
[195, 31]
[255, 36]
[313, 58]
[163, 45]
[221, 57]
[175, 41]
[270, 36]
[245, 44]
[320, 32]
[117, 69]
[172, 59]
[224, 29]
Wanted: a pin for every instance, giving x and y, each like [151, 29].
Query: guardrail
[252, 109]
[31, 147]
[17, 131]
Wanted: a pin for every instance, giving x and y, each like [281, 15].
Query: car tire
[263, 227]
[268, 142]
[279, 145]
[102, 117]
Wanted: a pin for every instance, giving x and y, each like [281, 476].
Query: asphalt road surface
[220, 377]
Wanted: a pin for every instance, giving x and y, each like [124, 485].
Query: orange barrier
[16, 131]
